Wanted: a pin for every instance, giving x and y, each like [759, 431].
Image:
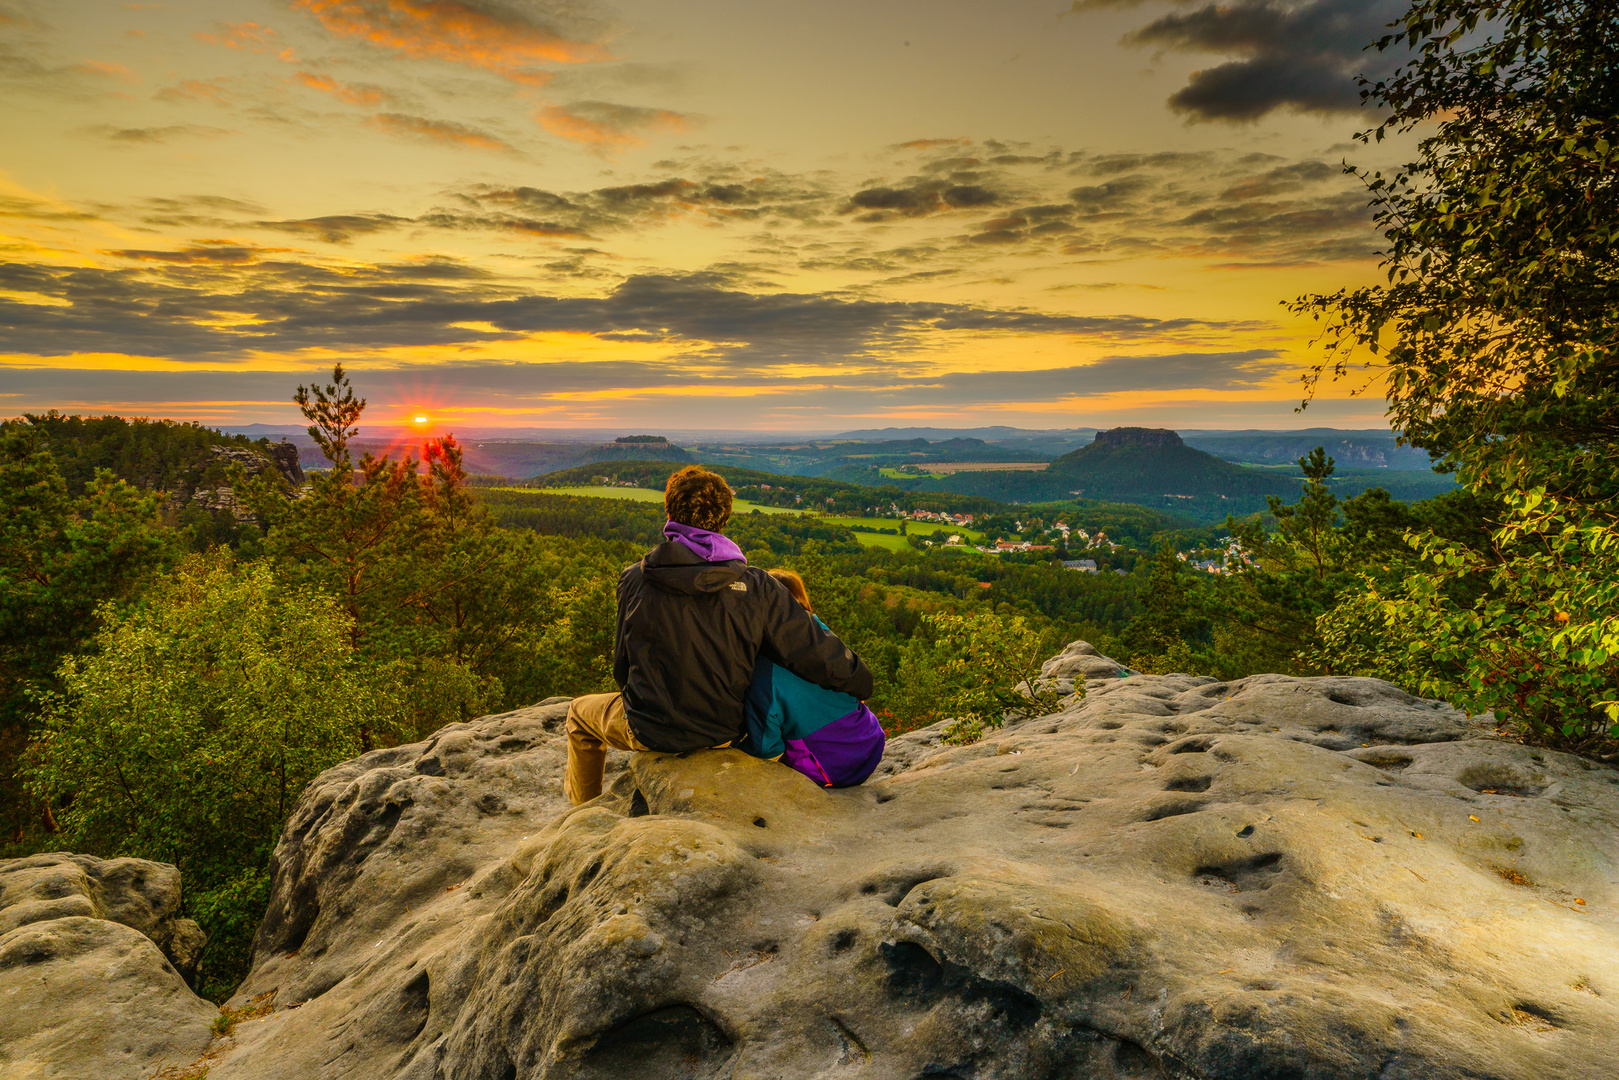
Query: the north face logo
[740, 586]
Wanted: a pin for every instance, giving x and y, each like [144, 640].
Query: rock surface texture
[90, 986]
[1170, 878]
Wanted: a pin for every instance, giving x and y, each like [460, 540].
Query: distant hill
[1351, 449]
[862, 461]
[528, 458]
[1154, 467]
[1144, 466]
[1123, 521]
[514, 459]
[989, 434]
[1133, 462]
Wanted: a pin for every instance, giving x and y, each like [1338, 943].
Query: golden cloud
[249, 36]
[607, 126]
[196, 90]
[455, 31]
[444, 131]
[109, 71]
[201, 253]
[354, 95]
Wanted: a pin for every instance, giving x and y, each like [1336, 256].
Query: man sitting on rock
[693, 617]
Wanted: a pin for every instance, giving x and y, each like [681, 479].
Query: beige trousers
[595, 722]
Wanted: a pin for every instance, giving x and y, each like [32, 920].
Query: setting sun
[420, 419]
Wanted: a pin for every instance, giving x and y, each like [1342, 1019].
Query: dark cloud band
[1302, 56]
[214, 302]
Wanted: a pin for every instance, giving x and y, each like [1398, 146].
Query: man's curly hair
[696, 497]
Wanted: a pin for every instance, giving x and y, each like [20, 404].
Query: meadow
[891, 541]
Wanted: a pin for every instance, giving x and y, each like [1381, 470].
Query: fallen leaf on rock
[1470, 817]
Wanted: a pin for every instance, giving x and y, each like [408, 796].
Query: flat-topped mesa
[1138, 436]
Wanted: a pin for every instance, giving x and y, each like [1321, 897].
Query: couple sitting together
[712, 652]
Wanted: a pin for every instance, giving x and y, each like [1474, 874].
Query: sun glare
[420, 419]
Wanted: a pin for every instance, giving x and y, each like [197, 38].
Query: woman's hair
[795, 586]
[696, 497]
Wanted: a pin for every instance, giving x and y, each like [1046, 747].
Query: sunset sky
[721, 214]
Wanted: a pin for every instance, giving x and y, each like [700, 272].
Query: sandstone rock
[1173, 878]
[142, 895]
[281, 460]
[1080, 660]
[284, 455]
[84, 998]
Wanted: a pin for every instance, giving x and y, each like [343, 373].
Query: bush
[190, 733]
[984, 667]
[1540, 648]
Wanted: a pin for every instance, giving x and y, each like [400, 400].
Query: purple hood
[706, 545]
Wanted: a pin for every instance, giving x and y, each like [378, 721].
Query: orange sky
[713, 215]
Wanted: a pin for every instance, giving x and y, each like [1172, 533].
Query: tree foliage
[1498, 324]
[1497, 321]
[1540, 646]
[156, 455]
[1159, 638]
[988, 668]
[62, 556]
[462, 616]
[189, 732]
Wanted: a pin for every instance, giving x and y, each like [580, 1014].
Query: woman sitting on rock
[831, 738]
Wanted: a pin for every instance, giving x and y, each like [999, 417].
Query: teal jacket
[781, 706]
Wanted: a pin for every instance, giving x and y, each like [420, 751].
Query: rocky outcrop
[279, 458]
[1170, 878]
[279, 461]
[144, 896]
[91, 959]
[284, 455]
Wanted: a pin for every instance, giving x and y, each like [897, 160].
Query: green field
[896, 543]
[633, 494]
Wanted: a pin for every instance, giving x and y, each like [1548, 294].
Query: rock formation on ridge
[1170, 878]
[279, 461]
